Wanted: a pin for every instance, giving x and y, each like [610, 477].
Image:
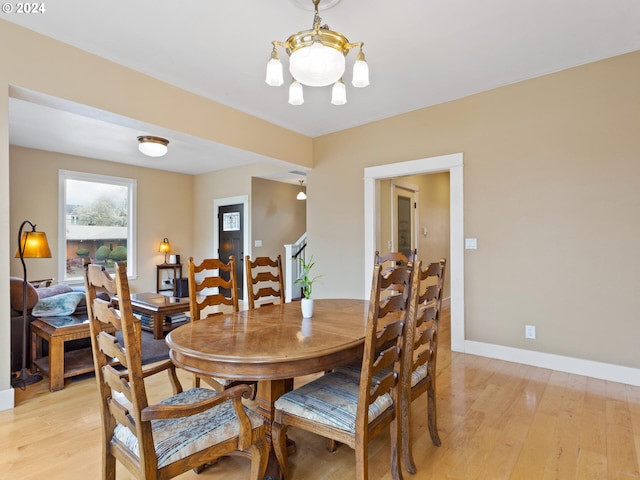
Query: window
[96, 222]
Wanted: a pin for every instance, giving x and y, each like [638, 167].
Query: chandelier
[317, 59]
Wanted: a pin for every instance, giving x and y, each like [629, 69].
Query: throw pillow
[15, 284]
[58, 305]
[56, 289]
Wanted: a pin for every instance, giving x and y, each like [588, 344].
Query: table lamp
[30, 245]
[164, 248]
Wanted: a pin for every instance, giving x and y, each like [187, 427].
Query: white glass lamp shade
[339, 93]
[360, 72]
[301, 195]
[296, 97]
[317, 65]
[153, 146]
[274, 73]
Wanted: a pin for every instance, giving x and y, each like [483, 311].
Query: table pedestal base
[268, 392]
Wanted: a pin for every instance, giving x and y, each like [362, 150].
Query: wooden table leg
[158, 325]
[36, 350]
[56, 364]
[268, 392]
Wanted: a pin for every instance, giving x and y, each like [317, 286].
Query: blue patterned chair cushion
[330, 400]
[353, 370]
[178, 438]
[418, 374]
[223, 381]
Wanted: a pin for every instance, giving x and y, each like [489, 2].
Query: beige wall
[164, 201]
[434, 212]
[551, 192]
[277, 218]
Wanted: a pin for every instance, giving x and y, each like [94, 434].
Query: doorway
[452, 163]
[404, 217]
[231, 233]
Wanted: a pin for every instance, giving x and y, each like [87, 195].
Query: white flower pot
[307, 307]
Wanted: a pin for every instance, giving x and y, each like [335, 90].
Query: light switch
[471, 243]
[258, 243]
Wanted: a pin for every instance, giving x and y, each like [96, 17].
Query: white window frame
[131, 184]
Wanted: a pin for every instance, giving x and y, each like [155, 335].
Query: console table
[177, 273]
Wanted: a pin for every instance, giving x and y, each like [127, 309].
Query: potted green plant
[306, 282]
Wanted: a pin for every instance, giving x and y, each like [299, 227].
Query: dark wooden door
[231, 240]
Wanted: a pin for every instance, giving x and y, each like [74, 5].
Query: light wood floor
[496, 419]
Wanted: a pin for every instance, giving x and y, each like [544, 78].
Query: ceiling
[420, 53]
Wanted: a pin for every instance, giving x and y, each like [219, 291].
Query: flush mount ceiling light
[152, 146]
[317, 59]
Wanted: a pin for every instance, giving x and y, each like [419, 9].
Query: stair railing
[292, 268]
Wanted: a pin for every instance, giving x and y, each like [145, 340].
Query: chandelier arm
[349, 46]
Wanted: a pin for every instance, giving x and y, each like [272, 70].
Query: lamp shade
[34, 245]
[153, 146]
[360, 72]
[339, 93]
[164, 247]
[274, 71]
[296, 96]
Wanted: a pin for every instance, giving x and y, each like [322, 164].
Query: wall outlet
[530, 331]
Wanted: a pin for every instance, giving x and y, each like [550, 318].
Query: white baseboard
[578, 366]
[7, 399]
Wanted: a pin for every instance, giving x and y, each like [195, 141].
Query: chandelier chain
[316, 16]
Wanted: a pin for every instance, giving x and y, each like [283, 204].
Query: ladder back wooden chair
[353, 409]
[393, 259]
[264, 280]
[162, 440]
[265, 275]
[421, 354]
[389, 262]
[207, 287]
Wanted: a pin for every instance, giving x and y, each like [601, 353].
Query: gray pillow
[46, 292]
[58, 305]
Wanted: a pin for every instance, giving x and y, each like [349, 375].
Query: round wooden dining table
[271, 345]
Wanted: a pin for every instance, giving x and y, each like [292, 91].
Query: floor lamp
[30, 245]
